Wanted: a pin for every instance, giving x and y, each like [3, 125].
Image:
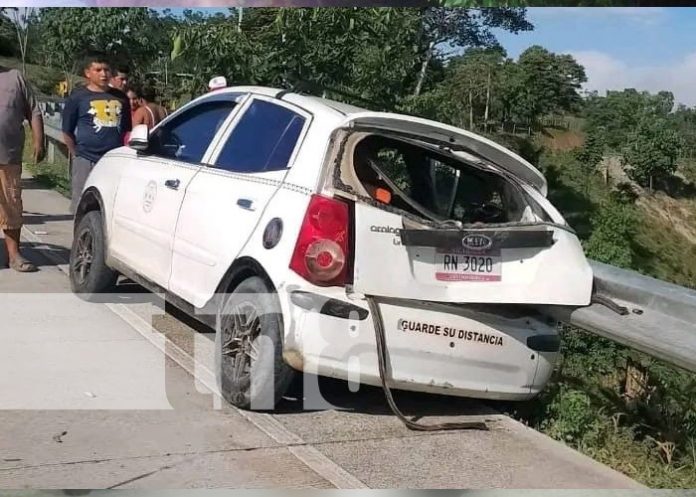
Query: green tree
[67, 33]
[8, 39]
[213, 46]
[483, 85]
[468, 92]
[652, 150]
[20, 26]
[620, 112]
[371, 53]
[591, 154]
[459, 28]
[542, 82]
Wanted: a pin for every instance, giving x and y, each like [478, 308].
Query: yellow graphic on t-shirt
[107, 113]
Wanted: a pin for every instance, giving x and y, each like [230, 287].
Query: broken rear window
[435, 185]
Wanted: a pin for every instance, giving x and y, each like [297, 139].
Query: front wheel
[89, 274]
[250, 369]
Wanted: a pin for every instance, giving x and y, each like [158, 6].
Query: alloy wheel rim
[84, 256]
[241, 328]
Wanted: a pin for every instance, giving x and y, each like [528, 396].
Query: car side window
[263, 139]
[187, 136]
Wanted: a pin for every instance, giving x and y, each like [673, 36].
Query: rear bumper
[498, 353]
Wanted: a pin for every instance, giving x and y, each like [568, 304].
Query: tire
[89, 274]
[251, 372]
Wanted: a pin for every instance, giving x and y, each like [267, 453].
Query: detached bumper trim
[330, 307]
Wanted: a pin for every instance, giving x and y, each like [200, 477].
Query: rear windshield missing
[434, 185]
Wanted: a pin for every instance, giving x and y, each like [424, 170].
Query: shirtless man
[148, 113]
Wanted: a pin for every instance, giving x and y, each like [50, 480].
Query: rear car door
[150, 192]
[226, 199]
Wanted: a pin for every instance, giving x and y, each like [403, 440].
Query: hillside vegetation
[621, 407]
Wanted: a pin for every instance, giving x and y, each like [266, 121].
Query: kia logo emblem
[477, 242]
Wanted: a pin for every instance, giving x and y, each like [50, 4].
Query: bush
[624, 193]
[613, 228]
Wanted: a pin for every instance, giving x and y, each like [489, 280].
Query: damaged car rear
[453, 237]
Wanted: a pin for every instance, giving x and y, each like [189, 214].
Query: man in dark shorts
[96, 119]
[17, 103]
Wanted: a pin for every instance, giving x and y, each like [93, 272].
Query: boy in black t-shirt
[95, 120]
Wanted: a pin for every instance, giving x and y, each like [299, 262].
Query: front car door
[149, 195]
[225, 200]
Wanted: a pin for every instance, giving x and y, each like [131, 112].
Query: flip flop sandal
[21, 265]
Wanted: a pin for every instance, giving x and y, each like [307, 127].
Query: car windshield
[435, 185]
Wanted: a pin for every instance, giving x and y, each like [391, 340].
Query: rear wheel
[251, 372]
[89, 274]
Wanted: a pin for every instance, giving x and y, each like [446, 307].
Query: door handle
[245, 203]
[172, 183]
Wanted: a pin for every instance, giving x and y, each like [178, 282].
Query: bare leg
[12, 243]
[14, 257]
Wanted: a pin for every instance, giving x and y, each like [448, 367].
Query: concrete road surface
[121, 395]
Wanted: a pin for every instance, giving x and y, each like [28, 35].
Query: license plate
[468, 266]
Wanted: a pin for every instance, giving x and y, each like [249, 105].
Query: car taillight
[321, 251]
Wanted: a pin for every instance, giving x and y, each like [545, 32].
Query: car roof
[308, 102]
[340, 114]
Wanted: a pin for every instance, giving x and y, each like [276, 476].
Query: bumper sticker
[406, 325]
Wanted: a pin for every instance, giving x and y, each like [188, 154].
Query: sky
[644, 48]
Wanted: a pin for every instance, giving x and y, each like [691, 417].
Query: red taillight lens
[321, 250]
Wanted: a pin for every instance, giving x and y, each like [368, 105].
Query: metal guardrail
[51, 110]
[52, 129]
[661, 317]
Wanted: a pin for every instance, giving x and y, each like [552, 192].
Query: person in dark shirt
[119, 78]
[96, 119]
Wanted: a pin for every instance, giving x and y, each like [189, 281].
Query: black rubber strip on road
[383, 359]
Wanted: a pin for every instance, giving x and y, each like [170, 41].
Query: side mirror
[139, 138]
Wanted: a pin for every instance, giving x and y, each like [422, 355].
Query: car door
[225, 200]
[149, 196]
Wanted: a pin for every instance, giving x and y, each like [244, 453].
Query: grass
[54, 176]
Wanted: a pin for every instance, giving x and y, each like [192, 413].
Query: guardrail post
[51, 152]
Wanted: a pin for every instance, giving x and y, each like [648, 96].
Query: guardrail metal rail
[659, 318]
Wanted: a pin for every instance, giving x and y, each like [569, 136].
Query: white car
[294, 225]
